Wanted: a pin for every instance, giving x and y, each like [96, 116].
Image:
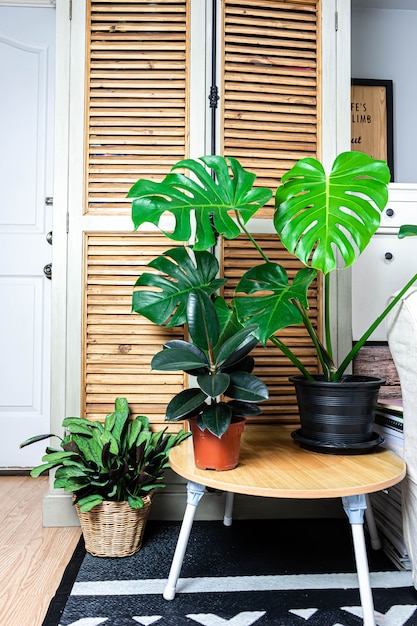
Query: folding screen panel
[137, 125]
[270, 84]
[137, 60]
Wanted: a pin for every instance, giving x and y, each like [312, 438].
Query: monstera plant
[325, 220]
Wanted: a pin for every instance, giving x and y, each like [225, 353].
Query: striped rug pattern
[261, 572]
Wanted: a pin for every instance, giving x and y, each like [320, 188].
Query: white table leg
[370, 520]
[228, 509]
[194, 494]
[355, 507]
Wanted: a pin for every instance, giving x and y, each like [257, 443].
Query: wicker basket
[114, 529]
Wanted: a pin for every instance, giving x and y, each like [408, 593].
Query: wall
[384, 46]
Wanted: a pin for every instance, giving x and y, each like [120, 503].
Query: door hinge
[70, 10]
[336, 21]
[214, 96]
[67, 223]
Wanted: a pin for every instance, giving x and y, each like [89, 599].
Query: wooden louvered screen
[270, 85]
[271, 365]
[119, 345]
[137, 89]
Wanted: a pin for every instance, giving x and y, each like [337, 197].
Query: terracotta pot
[211, 452]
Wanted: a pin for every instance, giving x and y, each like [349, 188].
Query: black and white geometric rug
[261, 572]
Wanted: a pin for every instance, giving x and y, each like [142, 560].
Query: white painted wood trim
[46, 4]
[343, 295]
[198, 78]
[64, 383]
[59, 248]
[76, 205]
[335, 139]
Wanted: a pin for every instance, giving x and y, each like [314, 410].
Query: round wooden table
[272, 465]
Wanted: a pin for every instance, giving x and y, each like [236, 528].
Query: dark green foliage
[120, 460]
[217, 356]
[325, 220]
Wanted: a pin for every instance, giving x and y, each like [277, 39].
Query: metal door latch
[47, 270]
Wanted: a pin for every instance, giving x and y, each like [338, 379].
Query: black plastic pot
[337, 418]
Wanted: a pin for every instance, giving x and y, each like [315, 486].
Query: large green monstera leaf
[166, 302]
[269, 302]
[208, 199]
[318, 215]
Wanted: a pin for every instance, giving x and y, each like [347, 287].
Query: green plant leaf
[108, 437]
[244, 409]
[80, 425]
[135, 502]
[407, 230]
[40, 469]
[274, 311]
[229, 324]
[177, 359]
[90, 449]
[214, 384]
[185, 404]
[217, 418]
[35, 439]
[59, 457]
[166, 302]
[317, 214]
[210, 200]
[247, 387]
[244, 365]
[237, 347]
[89, 502]
[135, 429]
[202, 320]
[119, 419]
[186, 345]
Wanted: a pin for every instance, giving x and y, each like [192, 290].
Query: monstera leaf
[209, 199]
[167, 301]
[407, 230]
[317, 215]
[272, 309]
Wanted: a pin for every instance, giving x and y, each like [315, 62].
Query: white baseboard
[169, 504]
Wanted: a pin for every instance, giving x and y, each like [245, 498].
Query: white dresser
[387, 263]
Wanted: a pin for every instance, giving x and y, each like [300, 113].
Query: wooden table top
[272, 464]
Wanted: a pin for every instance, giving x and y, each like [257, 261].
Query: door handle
[47, 270]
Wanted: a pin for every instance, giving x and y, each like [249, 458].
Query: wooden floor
[33, 558]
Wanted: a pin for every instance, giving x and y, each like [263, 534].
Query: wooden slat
[118, 345]
[137, 102]
[270, 85]
[271, 365]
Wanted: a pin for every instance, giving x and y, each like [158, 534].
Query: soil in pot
[217, 453]
[337, 418]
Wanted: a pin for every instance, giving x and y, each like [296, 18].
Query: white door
[27, 60]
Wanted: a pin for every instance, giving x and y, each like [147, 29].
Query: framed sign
[372, 119]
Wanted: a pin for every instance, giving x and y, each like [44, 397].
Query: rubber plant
[120, 460]
[324, 219]
[217, 356]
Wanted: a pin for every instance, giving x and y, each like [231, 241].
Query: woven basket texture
[114, 529]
